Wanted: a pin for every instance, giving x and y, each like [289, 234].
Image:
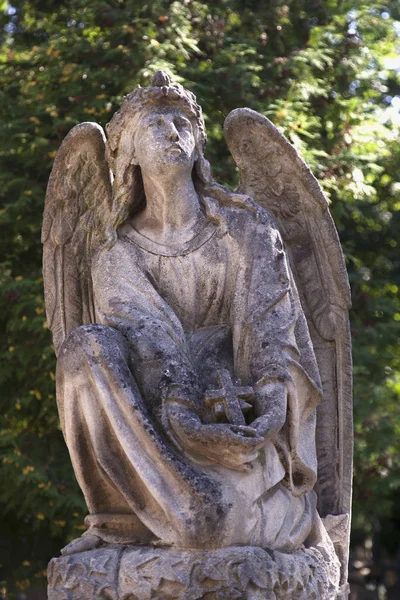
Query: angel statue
[204, 372]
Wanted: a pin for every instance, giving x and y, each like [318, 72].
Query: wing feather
[76, 210]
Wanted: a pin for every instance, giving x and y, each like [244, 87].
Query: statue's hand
[234, 446]
[270, 406]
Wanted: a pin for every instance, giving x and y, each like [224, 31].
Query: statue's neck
[172, 210]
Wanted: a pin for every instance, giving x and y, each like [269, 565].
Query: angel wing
[273, 173]
[77, 205]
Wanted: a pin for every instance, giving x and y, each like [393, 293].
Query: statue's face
[165, 142]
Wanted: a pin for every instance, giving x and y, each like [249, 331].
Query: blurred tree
[325, 72]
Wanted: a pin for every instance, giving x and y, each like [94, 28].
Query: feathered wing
[272, 172]
[76, 209]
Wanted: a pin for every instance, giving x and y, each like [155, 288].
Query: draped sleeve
[272, 343]
[126, 299]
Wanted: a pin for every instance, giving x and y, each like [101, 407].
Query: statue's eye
[157, 122]
[182, 123]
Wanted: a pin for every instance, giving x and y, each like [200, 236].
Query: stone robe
[166, 321]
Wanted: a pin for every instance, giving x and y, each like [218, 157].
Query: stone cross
[229, 400]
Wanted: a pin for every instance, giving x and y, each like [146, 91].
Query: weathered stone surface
[163, 574]
[85, 575]
[204, 372]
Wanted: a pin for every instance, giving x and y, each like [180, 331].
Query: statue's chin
[175, 165]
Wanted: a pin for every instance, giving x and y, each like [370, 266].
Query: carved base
[144, 573]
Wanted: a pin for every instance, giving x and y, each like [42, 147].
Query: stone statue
[204, 372]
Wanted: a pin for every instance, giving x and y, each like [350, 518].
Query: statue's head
[171, 108]
[161, 95]
[162, 105]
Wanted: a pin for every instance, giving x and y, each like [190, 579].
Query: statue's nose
[173, 134]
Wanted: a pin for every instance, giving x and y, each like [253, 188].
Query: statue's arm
[126, 300]
[264, 331]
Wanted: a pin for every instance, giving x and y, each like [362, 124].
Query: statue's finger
[244, 430]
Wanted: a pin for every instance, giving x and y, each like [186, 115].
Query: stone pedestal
[144, 573]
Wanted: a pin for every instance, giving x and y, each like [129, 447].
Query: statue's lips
[175, 150]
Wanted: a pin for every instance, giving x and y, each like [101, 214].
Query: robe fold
[168, 320]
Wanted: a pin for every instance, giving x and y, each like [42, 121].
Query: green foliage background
[324, 72]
